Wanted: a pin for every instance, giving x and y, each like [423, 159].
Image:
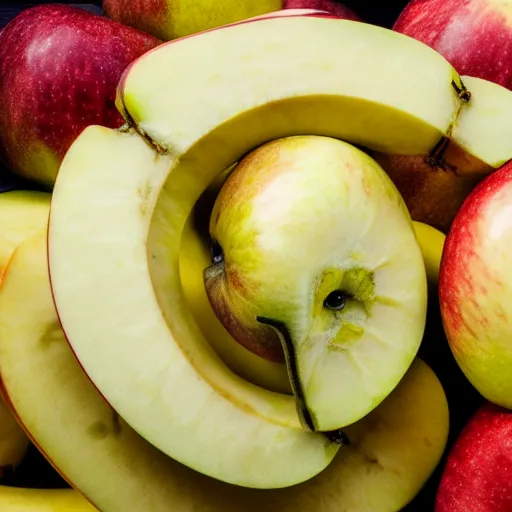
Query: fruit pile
[261, 266]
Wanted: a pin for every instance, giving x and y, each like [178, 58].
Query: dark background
[463, 400]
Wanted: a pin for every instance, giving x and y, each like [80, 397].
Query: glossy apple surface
[330, 6]
[474, 35]
[475, 287]
[59, 67]
[478, 473]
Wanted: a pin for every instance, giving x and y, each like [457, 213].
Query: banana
[122, 199]
[431, 242]
[18, 499]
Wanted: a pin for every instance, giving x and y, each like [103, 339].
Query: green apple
[122, 200]
[315, 256]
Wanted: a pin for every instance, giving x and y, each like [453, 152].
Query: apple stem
[435, 158]
[462, 91]
[133, 125]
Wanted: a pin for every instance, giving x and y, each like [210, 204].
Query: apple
[171, 19]
[475, 288]
[59, 67]
[393, 450]
[122, 200]
[474, 35]
[296, 269]
[434, 188]
[330, 6]
[478, 473]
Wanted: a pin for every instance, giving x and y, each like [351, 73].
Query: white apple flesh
[122, 200]
[314, 242]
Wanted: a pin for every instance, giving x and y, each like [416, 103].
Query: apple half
[122, 200]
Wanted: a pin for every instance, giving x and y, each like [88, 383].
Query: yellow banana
[431, 242]
[17, 499]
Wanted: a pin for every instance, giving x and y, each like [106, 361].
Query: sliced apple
[435, 186]
[186, 400]
[393, 450]
[194, 258]
[122, 229]
[22, 212]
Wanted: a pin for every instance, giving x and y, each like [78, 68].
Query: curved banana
[431, 242]
[18, 499]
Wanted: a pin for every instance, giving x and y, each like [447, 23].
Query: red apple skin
[475, 287]
[475, 36]
[478, 473]
[330, 6]
[59, 68]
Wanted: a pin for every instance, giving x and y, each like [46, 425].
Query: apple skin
[330, 6]
[478, 473]
[475, 287]
[475, 36]
[59, 68]
[434, 195]
[172, 19]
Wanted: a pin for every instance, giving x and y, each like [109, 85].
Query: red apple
[475, 287]
[330, 6]
[59, 68]
[478, 473]
[474, 35]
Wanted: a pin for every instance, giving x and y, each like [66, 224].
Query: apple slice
[435, 188]
[22, 212]
[394, 449]
[186, 400]
[137, 340]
